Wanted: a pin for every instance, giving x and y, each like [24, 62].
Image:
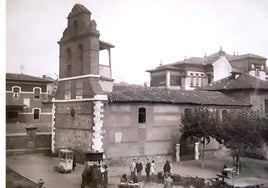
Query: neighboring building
[245, 88]
[51, 87]
[27, 103]
[199, 71]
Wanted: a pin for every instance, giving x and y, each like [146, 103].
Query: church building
[92, 114]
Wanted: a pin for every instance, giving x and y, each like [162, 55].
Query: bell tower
[83, 84]
[79, 45]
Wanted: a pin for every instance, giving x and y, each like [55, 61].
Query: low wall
[127, 160]
[24, 143]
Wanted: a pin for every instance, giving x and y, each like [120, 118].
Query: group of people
[136, 168]
[95, 176]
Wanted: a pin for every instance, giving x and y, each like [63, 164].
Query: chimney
[221, 52]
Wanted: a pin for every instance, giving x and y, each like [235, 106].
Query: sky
[144, 32]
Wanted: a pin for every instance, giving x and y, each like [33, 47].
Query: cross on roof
[21, 68]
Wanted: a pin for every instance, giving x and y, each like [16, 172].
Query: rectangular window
[257, 71]
[142, 115]
[26, 101]
[118, 137]
[192, 79]
[159, 80]
[175, 80]
[196, 79]
[36, 113]
[209, 78]
[37, 93]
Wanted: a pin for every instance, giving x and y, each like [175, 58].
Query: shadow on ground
[15, 180]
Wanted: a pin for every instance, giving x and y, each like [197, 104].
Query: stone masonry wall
[73, 123]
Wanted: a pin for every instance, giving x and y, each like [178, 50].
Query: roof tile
[136, 93]
[236, 81]
[25, 78]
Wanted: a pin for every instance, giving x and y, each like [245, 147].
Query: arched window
[80, 52]
[68, 61]
[37, 93]
[142, 115]
[16, 91]
[80, 58]
[36, 113]
[75, 27]
[68, 54]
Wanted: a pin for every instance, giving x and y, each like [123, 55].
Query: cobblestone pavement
[36, 166]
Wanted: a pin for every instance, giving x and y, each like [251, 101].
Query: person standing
[153, 169]
[132, 169]
[139, 168]
[96, 176]
[166, 168]
[86, 177]
[168, 181]
[105, 176]
[147, 170]
[74, 162]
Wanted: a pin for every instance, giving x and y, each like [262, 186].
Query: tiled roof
[244, 56]
[207, 60]
[135, 93]
[242, 81]
[25, 78]
[191, 60]
[105, 45]
[164, 67]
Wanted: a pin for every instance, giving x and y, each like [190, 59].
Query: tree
[264, 128]
[199, 124]
[237, 130]
[241, 130]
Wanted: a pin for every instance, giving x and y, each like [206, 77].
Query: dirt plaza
[39, 166]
